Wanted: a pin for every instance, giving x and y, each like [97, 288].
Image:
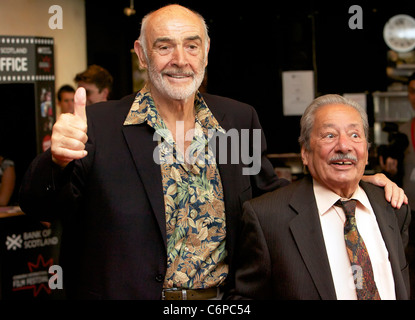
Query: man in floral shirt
[151, 202]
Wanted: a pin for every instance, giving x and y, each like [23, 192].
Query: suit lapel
[384, 216]
[140, 142]
[387, 222]
[306, 230]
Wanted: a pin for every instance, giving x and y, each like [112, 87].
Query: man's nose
[343, 143]
[179, 57]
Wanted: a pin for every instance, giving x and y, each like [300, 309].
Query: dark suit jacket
[112, 206]
[282, 253]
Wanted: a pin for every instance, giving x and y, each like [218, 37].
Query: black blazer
[282, 253]
[112, 206]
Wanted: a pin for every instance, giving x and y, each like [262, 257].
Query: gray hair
[142, 37]
[307, 120]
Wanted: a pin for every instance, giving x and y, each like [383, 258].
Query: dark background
[18, 128]
[253, 42]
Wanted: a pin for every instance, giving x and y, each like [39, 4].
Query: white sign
[298, 91]
[360, 98]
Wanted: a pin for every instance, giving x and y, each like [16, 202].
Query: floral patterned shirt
[193, 197]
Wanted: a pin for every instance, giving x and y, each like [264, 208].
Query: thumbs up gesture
[69, 133]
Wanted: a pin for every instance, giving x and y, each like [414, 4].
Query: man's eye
[164, 49]
[193, 49]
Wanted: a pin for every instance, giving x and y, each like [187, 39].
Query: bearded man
[142, 219]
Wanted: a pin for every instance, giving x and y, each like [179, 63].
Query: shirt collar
[325, 198]
[143, 110]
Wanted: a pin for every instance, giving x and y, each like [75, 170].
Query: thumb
[80, 103]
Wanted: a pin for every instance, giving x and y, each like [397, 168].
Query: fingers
[80, 103]
[65, 156]
[69, 136]
[395, 195]
[69, 125]
[403, 199]
[388, 191]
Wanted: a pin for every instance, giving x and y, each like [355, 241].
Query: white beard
[175, 92]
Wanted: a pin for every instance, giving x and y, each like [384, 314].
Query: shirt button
[186, 249]
[159, 278]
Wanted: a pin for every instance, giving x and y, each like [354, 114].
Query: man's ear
[304, 156]
[106, 92]
[138, 48]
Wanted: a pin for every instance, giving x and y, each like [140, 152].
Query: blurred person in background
[97, 82]
[65, 97]
[7, 180]
[390, 163]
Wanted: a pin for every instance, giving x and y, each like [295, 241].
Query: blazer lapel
[389, 229]
[139, 139]
[306, 230]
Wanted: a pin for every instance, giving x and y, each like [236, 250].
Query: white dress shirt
[332, 220]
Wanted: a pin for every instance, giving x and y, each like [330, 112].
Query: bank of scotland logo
[14, 242]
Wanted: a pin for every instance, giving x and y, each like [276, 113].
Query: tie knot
[349, 206]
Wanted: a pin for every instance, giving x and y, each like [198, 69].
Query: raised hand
[69, 133]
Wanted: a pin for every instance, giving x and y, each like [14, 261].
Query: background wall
[31, 18]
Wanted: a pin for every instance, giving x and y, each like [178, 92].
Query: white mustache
[178, 72]
[343, 156]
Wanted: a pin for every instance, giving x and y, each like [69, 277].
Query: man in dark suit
[139, 223]
[151, 205]
[294, 241]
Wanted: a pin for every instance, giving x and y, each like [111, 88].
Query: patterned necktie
[359, 258]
